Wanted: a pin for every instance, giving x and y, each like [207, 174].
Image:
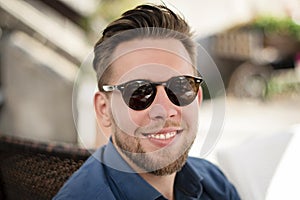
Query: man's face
[158, 138]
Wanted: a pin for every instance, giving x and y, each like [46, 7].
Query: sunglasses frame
[121, 88]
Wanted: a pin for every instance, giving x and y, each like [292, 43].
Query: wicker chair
[35, 170]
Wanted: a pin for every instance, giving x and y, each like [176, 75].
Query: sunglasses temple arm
[109, 88]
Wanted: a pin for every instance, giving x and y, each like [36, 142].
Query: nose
[162, 107]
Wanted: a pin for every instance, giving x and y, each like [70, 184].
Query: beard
[164, 161]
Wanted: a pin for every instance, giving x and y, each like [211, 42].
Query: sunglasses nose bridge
[161, 95]
[161, 84]
[162, 107]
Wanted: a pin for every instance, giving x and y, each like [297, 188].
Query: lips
[163, 137]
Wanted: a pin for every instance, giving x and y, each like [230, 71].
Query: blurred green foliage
[283, 26]
[283, 85]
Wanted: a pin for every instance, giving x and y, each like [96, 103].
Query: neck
[163, 184]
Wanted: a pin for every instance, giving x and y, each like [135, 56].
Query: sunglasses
[140, 94]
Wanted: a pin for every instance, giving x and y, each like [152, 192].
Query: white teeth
[164, 136]
[168, 135]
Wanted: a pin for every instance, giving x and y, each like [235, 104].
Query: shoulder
[214, 182]
[88, 182]
[204, 167]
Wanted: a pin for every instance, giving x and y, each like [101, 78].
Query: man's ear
[102, 109]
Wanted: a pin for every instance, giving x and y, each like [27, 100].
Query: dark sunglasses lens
[182, 90]
[139, 95]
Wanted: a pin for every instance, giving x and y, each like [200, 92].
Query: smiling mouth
[165, 135]
[162, 136]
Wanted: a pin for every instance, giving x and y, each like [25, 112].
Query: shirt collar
[188, 182]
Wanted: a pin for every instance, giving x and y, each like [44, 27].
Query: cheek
[125, 118]
[190, 114]
[139, 118]
[120, 112]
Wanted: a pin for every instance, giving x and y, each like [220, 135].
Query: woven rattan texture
[33, 170]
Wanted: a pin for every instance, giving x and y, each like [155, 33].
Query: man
[149, 96]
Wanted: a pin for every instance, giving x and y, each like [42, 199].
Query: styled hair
[144, 21]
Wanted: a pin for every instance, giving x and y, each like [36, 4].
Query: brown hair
[147, 21]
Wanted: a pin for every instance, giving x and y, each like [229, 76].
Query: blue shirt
[105, 175]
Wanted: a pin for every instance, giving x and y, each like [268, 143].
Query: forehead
[156, 59]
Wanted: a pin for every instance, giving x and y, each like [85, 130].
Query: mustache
[159, 125]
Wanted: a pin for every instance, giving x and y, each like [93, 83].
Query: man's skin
[163, 132]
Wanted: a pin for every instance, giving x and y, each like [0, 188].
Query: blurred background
[254, 43]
